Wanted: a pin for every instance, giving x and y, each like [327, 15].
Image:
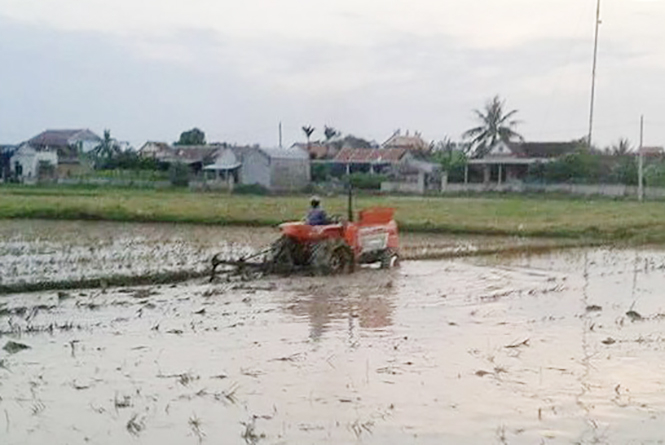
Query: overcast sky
[149, 69]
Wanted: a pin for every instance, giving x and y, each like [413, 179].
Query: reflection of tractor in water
[327, 249]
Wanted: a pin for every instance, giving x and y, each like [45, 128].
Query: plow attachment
[246, 268]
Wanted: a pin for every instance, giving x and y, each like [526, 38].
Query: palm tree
[308, 130]
[495, 125]
[330, 132]
[106, 149]
[621, 148]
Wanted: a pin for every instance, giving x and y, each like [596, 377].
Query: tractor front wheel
[389, 259]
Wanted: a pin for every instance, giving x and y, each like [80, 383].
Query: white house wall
[289, 174]
[29, 160]
[255, 169]
[86, 146]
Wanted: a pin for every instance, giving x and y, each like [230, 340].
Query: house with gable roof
[64, 141]
[68, 145]
[156, 150]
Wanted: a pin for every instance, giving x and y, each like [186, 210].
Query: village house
[226, 166]
[82, 140]
[509, 161]
[6, 152]
[276, 169]
[411, 142]
[194, 156]
[371, 160]
[29, 164]
[68, 145]
[156, 150]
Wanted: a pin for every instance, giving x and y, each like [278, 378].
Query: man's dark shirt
[317, 217]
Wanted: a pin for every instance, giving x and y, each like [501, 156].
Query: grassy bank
[532, 216]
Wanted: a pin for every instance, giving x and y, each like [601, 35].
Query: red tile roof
[367, 155]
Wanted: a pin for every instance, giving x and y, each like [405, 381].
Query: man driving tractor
[316, 215]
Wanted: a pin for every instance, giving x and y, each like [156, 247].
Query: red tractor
[338, 247]
[334, 248]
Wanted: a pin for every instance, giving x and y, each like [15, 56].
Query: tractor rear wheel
[332, 257]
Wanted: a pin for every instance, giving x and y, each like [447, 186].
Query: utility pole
[640, 163]
[593, 74]
[280, 134]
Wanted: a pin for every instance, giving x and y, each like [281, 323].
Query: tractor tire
[389, 259]
[280, 260]
[332, 257]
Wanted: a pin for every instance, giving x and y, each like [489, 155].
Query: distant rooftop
[367, 155]
[61, 138]
[285, 153]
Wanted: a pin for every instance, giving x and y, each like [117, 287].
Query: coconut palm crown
[495, 125]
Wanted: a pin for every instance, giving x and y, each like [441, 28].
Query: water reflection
[369, 306]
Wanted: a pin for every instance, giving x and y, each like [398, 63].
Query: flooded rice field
[557, 348]
[34, 251]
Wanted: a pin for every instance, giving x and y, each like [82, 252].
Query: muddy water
[33, 251]
[556, 348]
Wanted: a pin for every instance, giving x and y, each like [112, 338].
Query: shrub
[251, 189]
[367, 181]
[452, 161]
[321, 172]
[654, 174]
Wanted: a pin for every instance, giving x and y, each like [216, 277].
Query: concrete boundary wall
[610, 190]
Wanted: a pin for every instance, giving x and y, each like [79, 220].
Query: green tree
[451, 159]
[355, 142]
[192, 137]
[624, 170]
[321, 172]
[495, 125]
[580, 167]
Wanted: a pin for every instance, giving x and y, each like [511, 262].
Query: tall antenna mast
[593, 75]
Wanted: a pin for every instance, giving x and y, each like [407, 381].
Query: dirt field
[552, 348]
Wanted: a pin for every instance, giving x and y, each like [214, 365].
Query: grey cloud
[238, 90]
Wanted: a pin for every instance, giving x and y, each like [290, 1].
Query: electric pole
[593, 74]
[640, 163]
[280, 134]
